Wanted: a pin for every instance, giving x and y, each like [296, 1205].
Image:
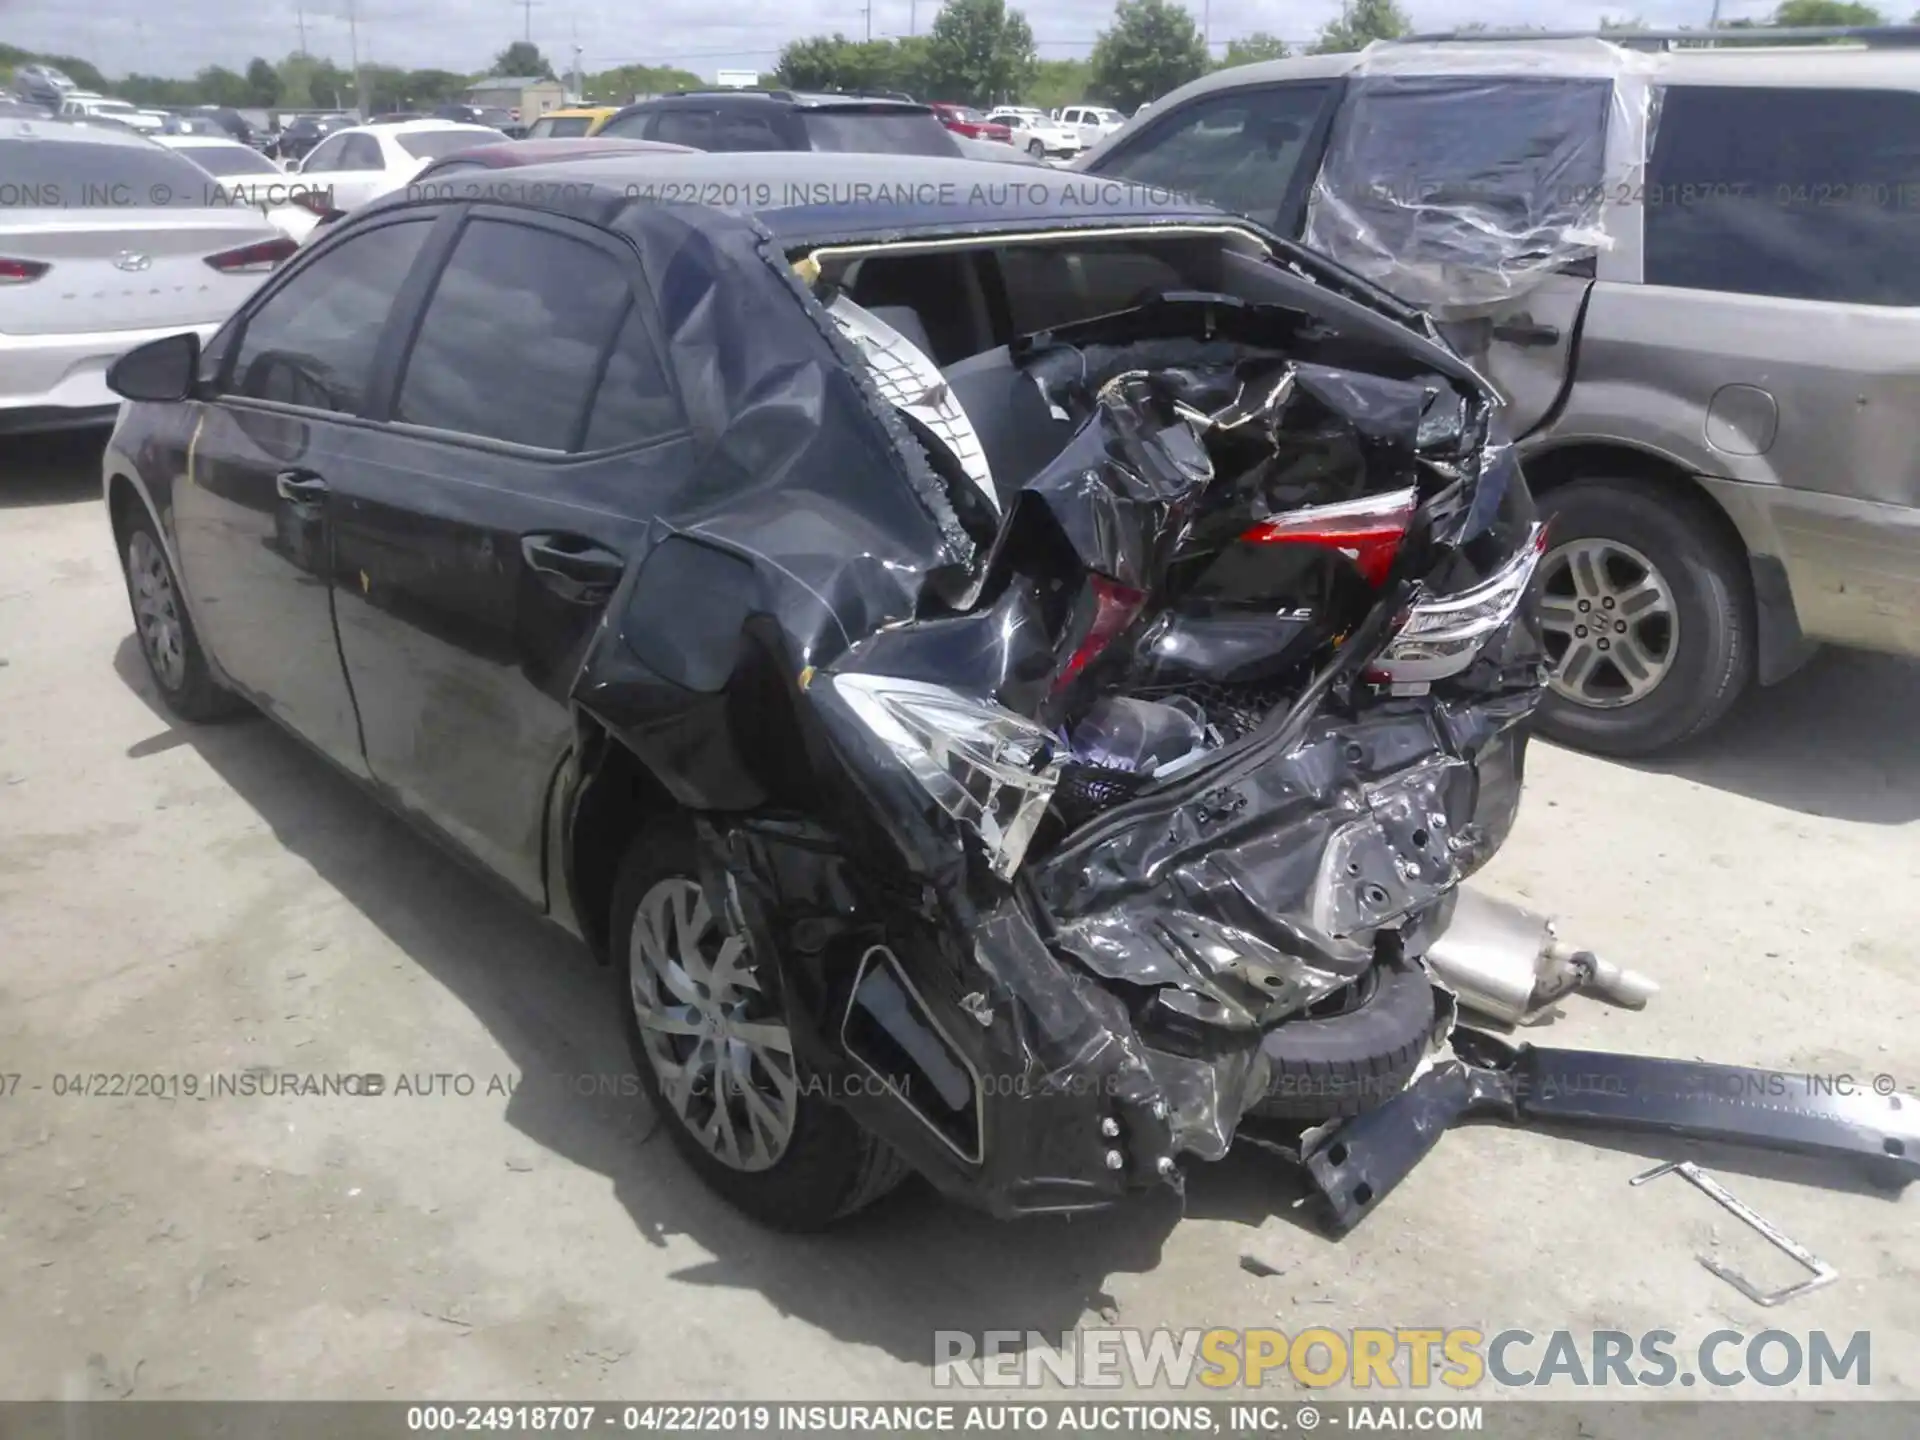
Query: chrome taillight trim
[1440, 638]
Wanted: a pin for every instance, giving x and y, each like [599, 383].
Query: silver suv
[1695, 276]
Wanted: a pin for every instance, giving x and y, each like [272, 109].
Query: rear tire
[1638, 538]
[168, 642]
[1037, 149]
[812, 1163]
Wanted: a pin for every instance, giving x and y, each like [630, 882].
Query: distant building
[528, 94]
[737, 79]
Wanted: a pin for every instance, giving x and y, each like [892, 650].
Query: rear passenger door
[477, 540]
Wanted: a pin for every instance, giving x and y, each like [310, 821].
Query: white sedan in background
[351, 167]
[245, 177]
[111, 241]
[1039, 134]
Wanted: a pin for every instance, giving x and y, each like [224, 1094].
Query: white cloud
[121, 36]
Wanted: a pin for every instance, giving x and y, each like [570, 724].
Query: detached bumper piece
[1356, 1166]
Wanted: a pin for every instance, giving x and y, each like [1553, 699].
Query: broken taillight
[261, 257]
[18, 272]
[1438, 638]
[1115, 607]
[1368, 531]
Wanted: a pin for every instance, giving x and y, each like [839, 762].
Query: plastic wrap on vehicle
[1458, 176]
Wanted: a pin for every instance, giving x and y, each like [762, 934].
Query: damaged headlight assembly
[987, 767]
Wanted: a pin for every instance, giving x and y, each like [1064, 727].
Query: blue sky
[180, 36]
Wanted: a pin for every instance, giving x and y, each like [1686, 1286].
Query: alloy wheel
[715, 1038]
[1611, 626]
[156, 609]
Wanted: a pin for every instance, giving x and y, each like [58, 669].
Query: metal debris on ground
[1823, 1273]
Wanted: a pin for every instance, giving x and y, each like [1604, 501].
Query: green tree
[428, 88]
[615, 86]
[522, 58]
[812, 63]
[978, 52]
[1811, 14]
[1252, 49]
[310, 84]
[263, 84]
[156, 90]
[1058, 82]
[1152, 47]
[1612, 23]
[82, 72]
[217, 85]
[1362, 22]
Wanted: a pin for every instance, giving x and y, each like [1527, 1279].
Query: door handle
[1524, 332]
[302, 487]
[574, 568]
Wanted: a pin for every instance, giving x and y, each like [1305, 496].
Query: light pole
[353, 51]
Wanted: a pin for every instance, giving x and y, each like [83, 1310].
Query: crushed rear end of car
[1081, 806]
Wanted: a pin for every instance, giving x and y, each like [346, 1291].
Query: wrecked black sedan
[1009, 676]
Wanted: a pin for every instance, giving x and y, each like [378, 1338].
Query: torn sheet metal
[1459, 176]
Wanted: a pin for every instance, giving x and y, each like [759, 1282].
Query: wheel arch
[613, 795]
[123, 496]
[1780, 645]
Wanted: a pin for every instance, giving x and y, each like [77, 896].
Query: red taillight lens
[249, 258]
[18, 272]
[1368, 531]
[1115, 607]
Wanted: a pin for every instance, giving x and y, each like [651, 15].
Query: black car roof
[807, 195]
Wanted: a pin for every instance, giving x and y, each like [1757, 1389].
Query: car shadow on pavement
[1834, 740]
[887, 1278]
[57, 468]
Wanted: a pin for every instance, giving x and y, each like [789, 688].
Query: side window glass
[1798, 193]
[632, 127]
[684, 127]
[511, 344]
[634, 402]
[744, 132]
[326, 155]
[362, 153]
[313, 341]
[1240, 149]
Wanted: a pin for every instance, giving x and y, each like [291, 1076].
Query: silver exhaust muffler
[1509, 964]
